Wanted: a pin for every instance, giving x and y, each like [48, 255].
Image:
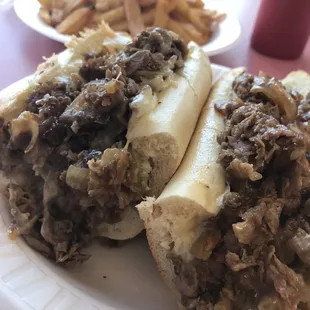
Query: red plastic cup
[282, 28]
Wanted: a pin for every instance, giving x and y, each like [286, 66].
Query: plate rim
[54, 35]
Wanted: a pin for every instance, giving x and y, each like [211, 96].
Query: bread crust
[195, 190]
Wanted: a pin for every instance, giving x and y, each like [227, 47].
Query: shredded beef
[260, 223]
[155, 50]
[70, 145]
[300, 243]
[242, 85]
[94, 67]
[226, 108]
[163, 42]
[304, 109]
[21, 142]
[96, 104]
[254, 138]
[205, 244]
[144, 60]
[286, 282]
[255, 254]
[51, 98]
[52, 131]
[39, 244]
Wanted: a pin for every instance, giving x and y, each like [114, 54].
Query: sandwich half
[231, 229]
[98, 127]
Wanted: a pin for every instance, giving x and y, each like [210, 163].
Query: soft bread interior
[159, 139]
[161, 231]
[194, 192]
[160, 154]
[62, 66]
[164, 134]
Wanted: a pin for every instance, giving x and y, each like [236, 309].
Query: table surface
[22, 48]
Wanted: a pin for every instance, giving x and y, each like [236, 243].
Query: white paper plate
[122, 278]
[224, 39]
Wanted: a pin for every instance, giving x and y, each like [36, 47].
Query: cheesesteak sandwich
[97, 128]
[231, 230]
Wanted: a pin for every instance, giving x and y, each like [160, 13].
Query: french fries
[57, 4]
[46, 3]
[191, 14]
[45, 16]
[163, 8]
[133, 15]
[188, 18]
[75, 22]
[219, 17]
[107, 5]
[121, 26]
[195, 35]
[73, 5]
[196, 3]
[146, 3]
[178, 28]
[57, 16]
[161, 16]
[148, 17]
[113, 16]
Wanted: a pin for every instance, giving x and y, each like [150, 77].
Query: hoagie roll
[230, 229]
[99, 126]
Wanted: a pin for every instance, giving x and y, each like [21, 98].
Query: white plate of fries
[211, 24]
